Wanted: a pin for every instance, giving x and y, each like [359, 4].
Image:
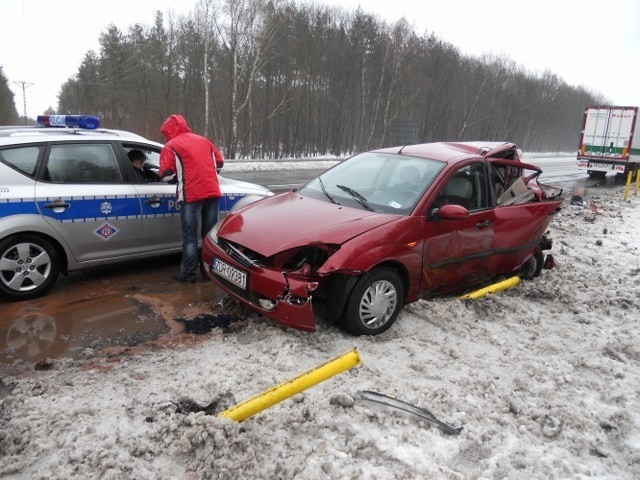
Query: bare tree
[304, 79]
[205, 20]
[240, 34]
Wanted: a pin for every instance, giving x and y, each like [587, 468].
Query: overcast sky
[591, 43]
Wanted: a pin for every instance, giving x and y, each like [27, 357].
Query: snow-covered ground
[236, 166]
[544, 378]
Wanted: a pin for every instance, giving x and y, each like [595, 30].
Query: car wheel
[29, 266]
[532, 267]
[374, 303]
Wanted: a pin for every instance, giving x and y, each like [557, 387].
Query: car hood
[229, 185]
[290, 220]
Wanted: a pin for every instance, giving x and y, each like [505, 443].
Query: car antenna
[400, 151]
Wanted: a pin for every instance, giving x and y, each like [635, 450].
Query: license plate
[603, 166]
[229, 273]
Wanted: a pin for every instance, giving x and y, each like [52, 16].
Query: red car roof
[446, 151]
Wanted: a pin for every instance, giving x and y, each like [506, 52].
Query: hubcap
[24, 267]
[378, 304]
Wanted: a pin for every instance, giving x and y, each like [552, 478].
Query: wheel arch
[375, 301]
[341, 285]
[401, 269]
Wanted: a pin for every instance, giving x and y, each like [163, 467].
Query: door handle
[483, 224]
[57, 203]
[154, 201]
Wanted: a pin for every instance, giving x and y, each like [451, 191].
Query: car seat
[459, 191]
[410, 177]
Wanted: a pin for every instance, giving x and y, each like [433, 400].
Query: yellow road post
[496, 287]
[627, 185]
[290, 387]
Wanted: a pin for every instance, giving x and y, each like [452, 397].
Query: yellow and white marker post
[281, 392]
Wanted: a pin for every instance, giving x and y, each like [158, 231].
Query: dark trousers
[190, 214]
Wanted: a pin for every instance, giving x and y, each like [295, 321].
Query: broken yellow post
[496, 287]
[289, 388]
[627, 185]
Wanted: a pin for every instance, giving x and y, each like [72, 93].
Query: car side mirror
[451, 212]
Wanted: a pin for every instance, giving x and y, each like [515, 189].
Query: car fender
[365, 252]
[33, 224]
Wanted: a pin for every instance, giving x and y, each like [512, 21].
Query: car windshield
[380, 182]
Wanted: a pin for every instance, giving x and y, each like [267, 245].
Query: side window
[24, 159]
[150, 163]
[82, 163]
[467, 187]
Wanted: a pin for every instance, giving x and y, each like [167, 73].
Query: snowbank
[543, 378]
[235, 166]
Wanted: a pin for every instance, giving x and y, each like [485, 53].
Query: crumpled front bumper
[270, 292]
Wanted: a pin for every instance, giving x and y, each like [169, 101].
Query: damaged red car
[383, 229]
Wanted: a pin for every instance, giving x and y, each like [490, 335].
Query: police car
[70, 199]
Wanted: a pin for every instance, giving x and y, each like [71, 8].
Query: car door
[520, 222]
[457, 252]
[161, 226]
[82, 195]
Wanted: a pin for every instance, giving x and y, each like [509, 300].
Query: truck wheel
[29, 266]
[599, 175]
[374, 303]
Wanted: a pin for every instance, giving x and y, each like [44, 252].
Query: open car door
[524, 209]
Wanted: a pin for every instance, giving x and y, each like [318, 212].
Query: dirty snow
[544, 379]
[234, 166]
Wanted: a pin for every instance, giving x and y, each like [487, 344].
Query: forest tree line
[8, 112]
[272, 79]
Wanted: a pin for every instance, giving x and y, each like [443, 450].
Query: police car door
[161, 226]
[82, 195]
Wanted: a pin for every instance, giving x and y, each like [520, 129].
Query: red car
[382, 229]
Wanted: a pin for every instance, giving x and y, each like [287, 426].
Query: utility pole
[24, 86]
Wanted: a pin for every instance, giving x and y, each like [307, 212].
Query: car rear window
[24, 159]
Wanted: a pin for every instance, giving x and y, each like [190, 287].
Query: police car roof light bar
[88, 122]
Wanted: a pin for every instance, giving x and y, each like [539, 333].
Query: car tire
[29, 266]
[374, 303]
[532, 267]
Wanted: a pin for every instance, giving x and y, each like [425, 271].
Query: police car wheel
[29, 266]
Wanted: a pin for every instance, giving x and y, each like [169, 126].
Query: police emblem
[106, 208]
[106, 231]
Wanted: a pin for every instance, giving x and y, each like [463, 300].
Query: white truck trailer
[610, 140]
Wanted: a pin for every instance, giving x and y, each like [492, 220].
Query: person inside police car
[138, 158]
